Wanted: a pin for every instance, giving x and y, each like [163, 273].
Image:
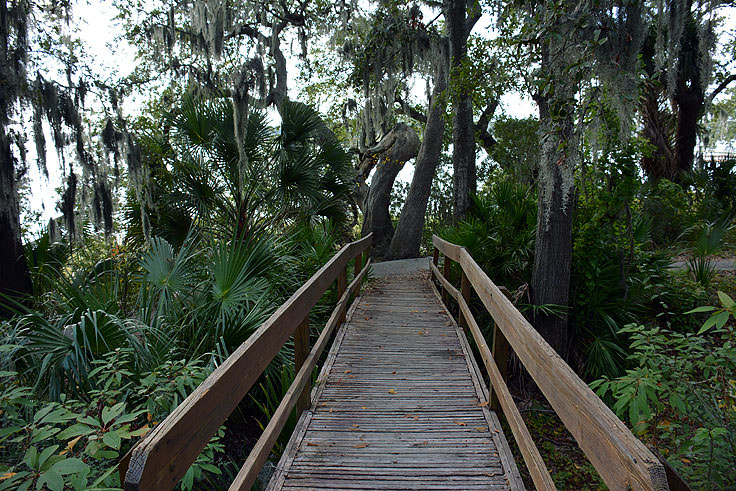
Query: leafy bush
[680, 395]
[499, 232]
[77, 444]
[668, 205]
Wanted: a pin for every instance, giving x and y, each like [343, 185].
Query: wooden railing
[622, 461]
[160, 460]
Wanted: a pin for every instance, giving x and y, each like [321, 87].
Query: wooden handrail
[160, 460]
[622, 461]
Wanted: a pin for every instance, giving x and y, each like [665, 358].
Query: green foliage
[668, 205]
[499, 232]
[680, 395]
[202, 177]
[75, 444]
[517, 147]
[271, 392]
[707, 239]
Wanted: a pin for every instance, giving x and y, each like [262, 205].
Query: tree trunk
[553, 253]
[389, 156]
[15, 279]
[408, 235]
[463, 138]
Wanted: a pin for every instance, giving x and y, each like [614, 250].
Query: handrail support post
[465, 292]
[500, 353]
[447, 263]
[301, 351]
[342, 284]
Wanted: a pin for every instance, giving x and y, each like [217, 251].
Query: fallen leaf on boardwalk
[391, 391]
[360, 445]
[394, 372]
[481, 429]
[330, 409]
[348, 371]
[420, 333]
[425, 443]
[367, 318]
[322, 404]
[363, 407]
[415, 417]
[483, 404]
[311, 444]
[491, 474]
[460, 423]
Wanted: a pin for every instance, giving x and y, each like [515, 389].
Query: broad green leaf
[706, 308]
[75, 430]
[52, 480]
[111, 439]
[725, 300]
[69, 466]
[110, 413]
[45, 454]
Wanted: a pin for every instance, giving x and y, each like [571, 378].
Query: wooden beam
[342, 280]
[436, 256]
[161, 459]
[446, 265]
[534, 462]
[446, 285]
[262, 449]
[447, 248]
[501, 351]
[301, 351]
[465, 292]
[618, 456]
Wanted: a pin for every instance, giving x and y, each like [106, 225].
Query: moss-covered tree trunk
[553, 253]
[389, 156]
[408, 235]
[460, 21]
[15, 278]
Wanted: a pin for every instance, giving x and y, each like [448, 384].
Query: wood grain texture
[619, 457]
[400, 407]
[260, 452]
[160, 460]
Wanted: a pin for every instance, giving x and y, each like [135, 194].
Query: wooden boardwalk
[399, 404]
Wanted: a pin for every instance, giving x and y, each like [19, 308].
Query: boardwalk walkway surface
[399, 404]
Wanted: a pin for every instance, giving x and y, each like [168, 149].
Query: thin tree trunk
[553, 253]
[464, 178]
[15, 279]
[389, 156]
[408, 235]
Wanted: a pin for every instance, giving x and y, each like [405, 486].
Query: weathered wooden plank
[620, 458]
[534, 462]
[382, 418]
[258, 455]
[301, 351]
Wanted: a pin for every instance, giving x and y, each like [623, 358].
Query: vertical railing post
[342, 283]
[500, 352]
[465, 291]
[436, 256]
[446, 273]
[301, 351]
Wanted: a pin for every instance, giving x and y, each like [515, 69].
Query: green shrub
[669, 208]
[680, 395]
